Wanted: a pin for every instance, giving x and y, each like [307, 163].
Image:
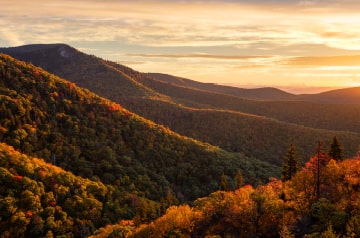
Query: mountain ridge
[338, 96]
[262, 93]
[120, 160]
[93, 137]
[175, 107]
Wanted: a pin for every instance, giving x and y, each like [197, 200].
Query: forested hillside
[225, 120]
[50, 118]
[292, 208]
[257, 93]
[338, 96]
[38, 199]
[254, 136]
[309, 114]
[72, 162]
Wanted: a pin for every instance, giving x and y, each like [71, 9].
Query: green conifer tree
[239, 179]
[291, 164]
[224, 183]
[336, 151]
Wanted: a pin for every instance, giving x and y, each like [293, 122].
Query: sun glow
[238, 42]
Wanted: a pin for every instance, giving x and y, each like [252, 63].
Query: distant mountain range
[256, 94]
[72, 162]
[38, 54]
[260, 123]
[50, 118]
[338, 96]
[104, 143]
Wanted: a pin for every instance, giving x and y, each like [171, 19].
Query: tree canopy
[291, 164]
[335, 151]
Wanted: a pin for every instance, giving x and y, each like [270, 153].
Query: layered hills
[38, 199]
[257, 94]
[277, 209]
[338, 96]
[48, 117]
[232, 118]
[72, 162]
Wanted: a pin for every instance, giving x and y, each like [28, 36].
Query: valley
[168, 99]
[92, 148]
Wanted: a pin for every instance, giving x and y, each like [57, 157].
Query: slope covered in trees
[256, 94]
[125, 160]
[277, 209]
[172, 105]
[309, 114]
[38, 199]
[338, 96]
[254, 136]
[51, 118]
[86, 71]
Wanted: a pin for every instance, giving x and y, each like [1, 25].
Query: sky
[301, 46]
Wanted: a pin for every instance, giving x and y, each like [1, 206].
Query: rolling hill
[38, 199]
[255, 94]
[339, 96]
[51, 118]
[209, 113]
[73, 162]
[277, 209]
[47, 57]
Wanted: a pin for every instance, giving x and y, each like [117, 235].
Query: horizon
[296, 90]
[296, 46]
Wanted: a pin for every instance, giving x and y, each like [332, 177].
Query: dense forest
[141, 168]
[38, 199]
[75, 164]
[53, 119]
[292, 208]
[214, 114]
[241, 132]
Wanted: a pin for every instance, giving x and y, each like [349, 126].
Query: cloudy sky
[297, 45]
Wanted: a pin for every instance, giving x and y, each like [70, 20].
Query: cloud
[131, 62]
[206, 56]
[231, 40]
[338, 34]
[173, 23]
[348, 60]
[252, 66]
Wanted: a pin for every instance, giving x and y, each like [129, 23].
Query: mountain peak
[66, 51]
[63, 50]
[37, 47]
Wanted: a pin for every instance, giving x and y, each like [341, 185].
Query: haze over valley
[241, 135]
[180, 118]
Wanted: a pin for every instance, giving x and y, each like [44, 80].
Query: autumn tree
[285, 232]
[239, 179]
[335, 151]
[224, 183]
[291, 164]
[316, 164]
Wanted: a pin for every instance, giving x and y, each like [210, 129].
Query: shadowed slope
[256, 94]
[170, 104]
[53, 119]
